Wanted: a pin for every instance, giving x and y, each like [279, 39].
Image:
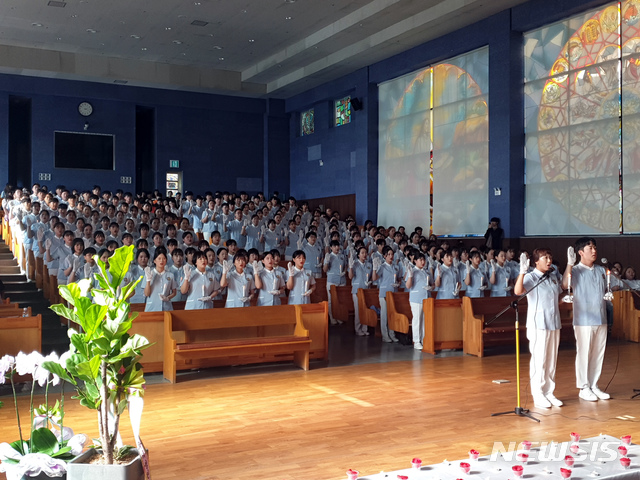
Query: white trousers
[543, 345]
[384, 324]
[356, 316]
[591, 342]
[417, 324]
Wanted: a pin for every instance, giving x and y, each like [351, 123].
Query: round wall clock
[85, 109]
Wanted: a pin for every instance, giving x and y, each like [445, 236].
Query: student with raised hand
[335, 266]
[239, 283]
[299, 283]
[272, 282]
[500, 276]
[291, 240]
[475, 280]
[208, 220]
[160, 285]
[72, 263]
[313, 252]
[588, 282]
[387, 276]
[446, 278]
[360, 273]
[543, 324]
[420, 283]
[199, 286]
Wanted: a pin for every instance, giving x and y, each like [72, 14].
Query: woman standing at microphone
[543, 324]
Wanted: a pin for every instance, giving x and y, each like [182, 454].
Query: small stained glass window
[307, 122]
[343, 111]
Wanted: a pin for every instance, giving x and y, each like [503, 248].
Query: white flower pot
[79, 469]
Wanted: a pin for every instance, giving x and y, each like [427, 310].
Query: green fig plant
[104, 365]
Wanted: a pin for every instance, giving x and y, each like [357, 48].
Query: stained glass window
[307, 125]
[434, 147]
[582, 125]
[343, 111]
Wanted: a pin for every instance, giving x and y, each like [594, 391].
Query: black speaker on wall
[356, 103]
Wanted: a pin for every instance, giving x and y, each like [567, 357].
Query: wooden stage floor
[282, 423]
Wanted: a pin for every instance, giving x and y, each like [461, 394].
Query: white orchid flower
[77, 443]
[6, 366]
[33, 464]
[26, 364]
[7, 452]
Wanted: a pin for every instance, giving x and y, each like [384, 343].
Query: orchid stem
[15, 402]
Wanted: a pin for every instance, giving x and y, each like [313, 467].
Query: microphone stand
[519, 411]
[636, 391]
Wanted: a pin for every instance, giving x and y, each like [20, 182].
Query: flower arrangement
[50, 444]
[104, 362]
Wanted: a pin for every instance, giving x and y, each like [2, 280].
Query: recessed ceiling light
[167, 28]
[122, 22]
[177, 42]
[91, 30]
[183, 54]
[217, 47]
[75, 15]
[144, 49]
[199, 23]
[220, 58]
[251, 40]
[56, 3]
[59, 38]
[36, 24]
[244, 11]
[197, 4]
[287, 18]
[135, 36]
[289, 1]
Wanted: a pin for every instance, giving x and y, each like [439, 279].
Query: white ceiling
[259, 48]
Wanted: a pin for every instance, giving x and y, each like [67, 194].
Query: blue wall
[219, 140]
[503, 34]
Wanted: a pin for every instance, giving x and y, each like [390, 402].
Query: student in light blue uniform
[253, 235]
[177, 262]
[239, 283]
[270, 236]
[475, 279]
[136, 270]
[291, 240]
[160, 285]
[314, 254]
[236, 229]
[589, 284]
[199, 286]
[335, 266]
[446, 280]
[72, 263]
[272, 283]
[299, 283]
[500, 276]
[360, 272]
[387, 275]
[543, 324]
[420, 283]
[208, 220]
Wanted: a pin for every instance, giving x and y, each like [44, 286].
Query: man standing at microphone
[589, 316]
[543, 324]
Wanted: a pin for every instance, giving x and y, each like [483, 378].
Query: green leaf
[70, 292]
[119, 265]
[63, 452]
[63, 311]
[18, 446]
[44, 441]
[57, 369]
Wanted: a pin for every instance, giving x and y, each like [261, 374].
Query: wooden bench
[399, 314]
[320, 293]
[477, 335]
[442, 325]
[151, 325]
[342, 303]
[14, 312]
[368, 297]
[20, 334]
[626, 316]
[235, 336]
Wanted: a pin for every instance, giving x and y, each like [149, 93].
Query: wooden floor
[315, 425]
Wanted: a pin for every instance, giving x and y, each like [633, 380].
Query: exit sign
[174, 163]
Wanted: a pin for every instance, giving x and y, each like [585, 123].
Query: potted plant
[50, 445]
[104, 365]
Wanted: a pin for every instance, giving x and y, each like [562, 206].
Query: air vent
[55, 3]
[199, 23]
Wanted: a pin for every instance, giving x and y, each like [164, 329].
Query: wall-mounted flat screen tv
[88, 151]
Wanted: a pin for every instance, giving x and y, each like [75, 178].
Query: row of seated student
[215, 253]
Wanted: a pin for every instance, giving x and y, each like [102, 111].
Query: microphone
[605, 262]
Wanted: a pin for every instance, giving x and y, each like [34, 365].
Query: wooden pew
[626, 316]
[20, 334]
[399, 314]
[13, 312]
[368, 297]
[320, 293]
[237, 335]
[477, 335]
[442, 325]
[151, 325]
[342, 303]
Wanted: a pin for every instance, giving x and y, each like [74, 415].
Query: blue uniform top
[361, 275]
[388, 275]
[589, 286]
[421, 280]
[543, 311]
